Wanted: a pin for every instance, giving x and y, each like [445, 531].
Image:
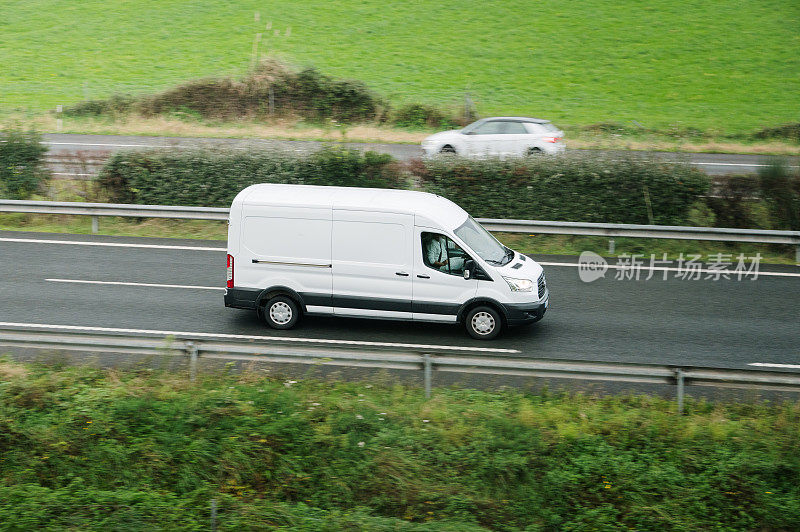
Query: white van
[374, 253]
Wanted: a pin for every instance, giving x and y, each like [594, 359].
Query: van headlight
[519, 285]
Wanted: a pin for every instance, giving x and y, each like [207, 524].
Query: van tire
[281, 312]
[483, 323]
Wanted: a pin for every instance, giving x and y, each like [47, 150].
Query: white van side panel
[287, 246]
[372, 263]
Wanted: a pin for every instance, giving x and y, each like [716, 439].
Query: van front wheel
[281, 312]
[483, 323]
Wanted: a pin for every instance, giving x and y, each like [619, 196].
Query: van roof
[437, 209]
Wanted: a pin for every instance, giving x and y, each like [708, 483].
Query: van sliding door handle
[423, 276]
[401, 274]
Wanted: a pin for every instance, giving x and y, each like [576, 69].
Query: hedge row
[213, 178]
[272, 89]
[569, 188]
[22, 170]
[577, 187]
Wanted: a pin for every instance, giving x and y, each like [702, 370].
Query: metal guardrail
[409, 357]
[96, 210]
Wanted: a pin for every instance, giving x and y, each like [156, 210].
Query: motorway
[102, 145]
[176, 285]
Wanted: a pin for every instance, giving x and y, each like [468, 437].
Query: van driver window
[441, 253]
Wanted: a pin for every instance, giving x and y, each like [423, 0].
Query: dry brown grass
[10, 370]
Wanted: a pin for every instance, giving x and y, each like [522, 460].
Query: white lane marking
[68, 173]
[248, 337]
[682, 270]
[731, 164]
[768, 365]
[114, 145]
[108, 244]
[149, 285]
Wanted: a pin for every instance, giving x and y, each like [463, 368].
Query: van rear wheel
[281, 312]
[483, 323]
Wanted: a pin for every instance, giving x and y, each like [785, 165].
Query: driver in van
[438, 257]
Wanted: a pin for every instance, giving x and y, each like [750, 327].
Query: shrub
[22, 170]
[781, 192]
[117, 104]
[731, 201]
[573, 187]
[417, 115]
[784, 132]
[212, 178]
[308, 94]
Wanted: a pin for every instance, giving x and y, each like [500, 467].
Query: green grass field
[722, 66]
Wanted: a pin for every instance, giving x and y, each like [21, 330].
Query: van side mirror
[469, 268]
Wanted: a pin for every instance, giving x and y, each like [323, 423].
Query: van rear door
[287, 247]
[372, 263]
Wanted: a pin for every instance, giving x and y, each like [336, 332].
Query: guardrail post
[426, 367]
[679, 379]
[797, 254]
[191, 349]
[610, 246]
[95, 225]
[213, 515]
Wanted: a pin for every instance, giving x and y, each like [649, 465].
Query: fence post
[95, 225]
[426, 366]
[191, 348]
[679, 378]
[213, 515]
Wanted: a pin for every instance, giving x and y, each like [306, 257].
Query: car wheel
[533, 152]
[448, 149]
[483, 323]
[281, 312]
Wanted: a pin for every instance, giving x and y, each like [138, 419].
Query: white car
[499, 136]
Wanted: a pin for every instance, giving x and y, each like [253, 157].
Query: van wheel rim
[483, 323]
[280, 313]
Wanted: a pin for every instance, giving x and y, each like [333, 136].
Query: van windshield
[483, 243]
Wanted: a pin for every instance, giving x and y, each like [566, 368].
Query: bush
[784, 132]
[22, 170]
[417, 115]
[117, 104]
[732, 199]
[781, 192]
[574, 187]
[212, 178]
[308, 94]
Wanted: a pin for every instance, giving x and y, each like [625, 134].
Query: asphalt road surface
[176, 285]
[102, 145]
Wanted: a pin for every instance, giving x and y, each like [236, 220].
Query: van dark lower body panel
[245, 298]
[523, 313]
[514, 313]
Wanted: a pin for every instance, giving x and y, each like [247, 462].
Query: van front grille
[542, 284]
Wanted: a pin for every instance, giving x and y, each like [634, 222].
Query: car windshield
[483, 243]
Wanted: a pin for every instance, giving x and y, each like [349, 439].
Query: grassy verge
[534, 244]
[89, 449]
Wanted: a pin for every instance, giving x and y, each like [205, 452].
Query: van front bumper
[523, 313]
